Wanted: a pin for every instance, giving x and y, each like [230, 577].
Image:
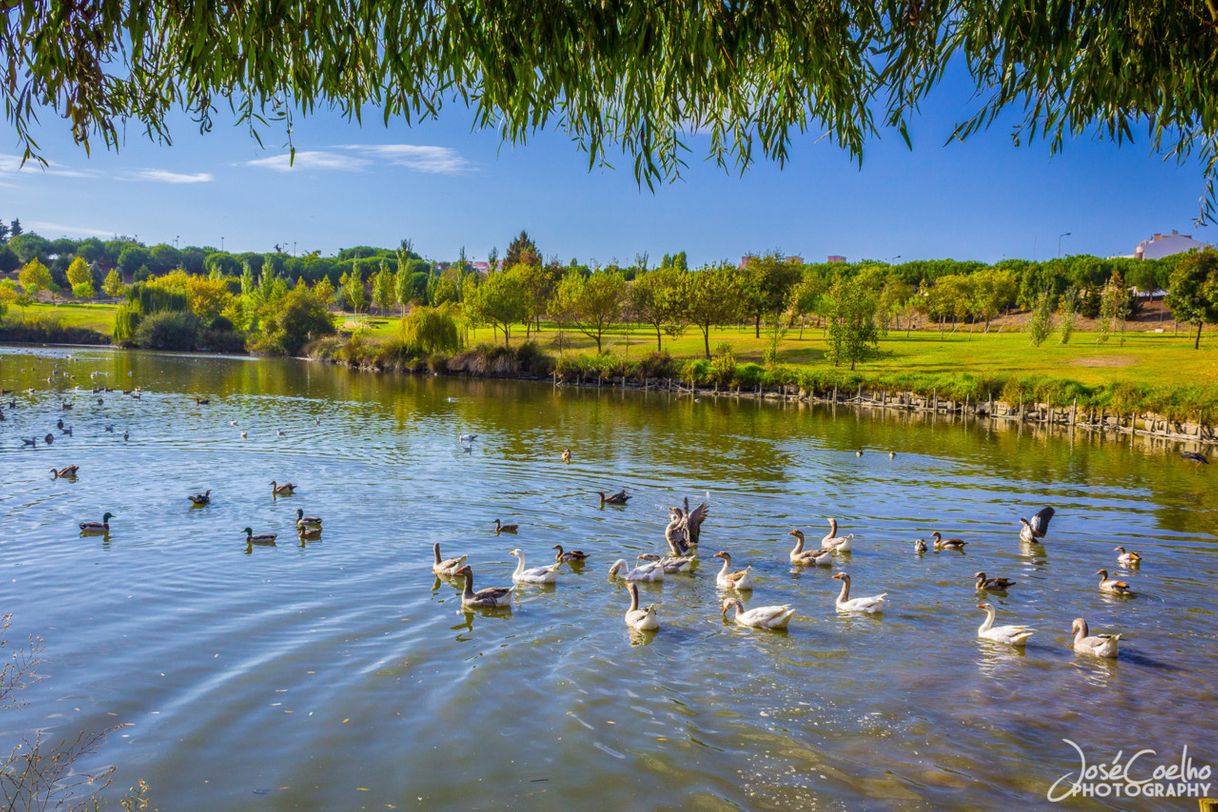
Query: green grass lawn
[99, 317]
[1156, 359]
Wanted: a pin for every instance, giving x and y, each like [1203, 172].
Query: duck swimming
[570, 556]
[307, 521]
[95, 528]
[991, 584]
[65, 473]
[286, 489]
[500, 527]
[200, 499]
[619, 498]
[264, 539]
[1128, 559]
[947, 544]
[1112, 585]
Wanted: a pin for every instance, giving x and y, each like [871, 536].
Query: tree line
[855, 303]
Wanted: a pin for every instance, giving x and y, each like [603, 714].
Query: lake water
[341, 675]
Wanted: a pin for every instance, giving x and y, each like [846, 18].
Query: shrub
[167, 330]
[227, 341]
[437, 362]
[221, 324]
[749, 375]
[657, 365]
[432, 329]
[293, 321]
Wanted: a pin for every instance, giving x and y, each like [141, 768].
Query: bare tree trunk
[757, 327]
[706, 340]
[659, 340]
[1197, 340]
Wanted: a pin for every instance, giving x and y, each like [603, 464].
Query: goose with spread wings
[684, 529]
[1034, 529]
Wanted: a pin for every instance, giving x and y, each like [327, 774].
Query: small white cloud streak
[420, 158]
[165, 176]
[358, 157]
[51, 229]
[12, 164]
[311, 159]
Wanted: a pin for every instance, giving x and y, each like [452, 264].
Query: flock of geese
[682, 536]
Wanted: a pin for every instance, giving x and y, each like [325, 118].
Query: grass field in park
[1156, 359]
[99, 317]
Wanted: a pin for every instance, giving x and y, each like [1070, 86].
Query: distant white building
[1164, 245]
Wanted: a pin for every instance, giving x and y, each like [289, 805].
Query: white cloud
[54, 229]
[358, 157]
[420, 158]
[12, 164]
[315, 159]
[165, 176]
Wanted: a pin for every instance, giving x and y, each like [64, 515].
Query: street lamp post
[1059, 241]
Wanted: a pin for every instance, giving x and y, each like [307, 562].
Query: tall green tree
[522, 251]
[1040, 322]
[655, 300]
[80, 278]
[1192, 290]
[500, 301]
[113, 286]
[994, 289]
[383, 287]
[766, 283]
[850, 311]
[35, 278]
[403, 288]
[710, 298]
[595, 302]
[353, 289]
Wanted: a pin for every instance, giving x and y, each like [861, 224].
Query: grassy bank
[1149, 371]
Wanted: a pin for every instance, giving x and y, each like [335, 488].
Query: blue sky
[445, 187]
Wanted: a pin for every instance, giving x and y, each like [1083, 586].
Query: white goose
[808, 558]
[740, 580]
[446, 567]
[537, 575]
[872, 605]
[1099, 645]
[832, 541]
[643, 620]
[672, 564]
[1011, 635]
[651, 571]
[761, 617]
